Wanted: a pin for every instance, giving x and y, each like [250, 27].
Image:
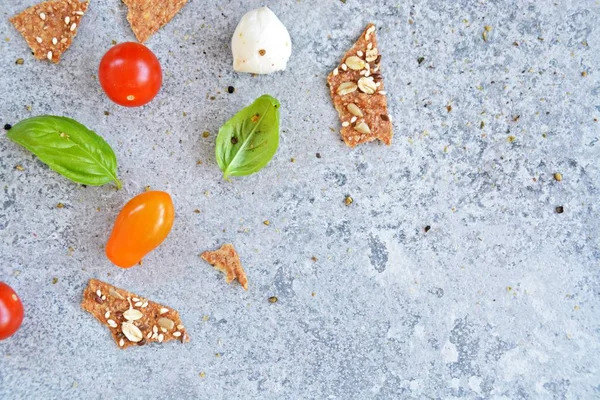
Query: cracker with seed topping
[227, 260]
[146, 17]
[49, 27]
[358, 94]
[132, 320]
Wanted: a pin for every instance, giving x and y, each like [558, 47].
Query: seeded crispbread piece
[146, 17]
[358, 94]
[226, 259]
[49, 27]
[132, 320]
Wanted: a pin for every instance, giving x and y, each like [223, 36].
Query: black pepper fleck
[427, 228]
[234, 140]
[318, 155]
[560, 210]
[230, 89]
[7, 127]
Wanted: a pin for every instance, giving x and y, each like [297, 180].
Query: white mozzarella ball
[261, 43]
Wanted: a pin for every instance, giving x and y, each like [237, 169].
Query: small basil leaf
[249, 140]
[69, 148]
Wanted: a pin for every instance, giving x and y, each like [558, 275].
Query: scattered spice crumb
[205, 318]
[141, 262]
[199, 162]
[448, 108]
[202, 374]
[488, 28]
[420, 60]
[427, 228]
[273, 299]
[560, 209]
[184, 114]
[106, 113]
[348, 200]
[19, 167]
[292, 159]
[584, 74]
[205, 134]
[212, 97]
[217, 355]
[313, 294]
[558, 176]
[54, 281]
[516, 118]
[315, 259]
[28, 108]
[511, 139]
[114, 42]
[266, 222]
[60, 205]
[230, 89]
[516, 44]
[19, 61]
[7, 127]
[147, 188]
[482, 125]
[196, 211]
[318, 155]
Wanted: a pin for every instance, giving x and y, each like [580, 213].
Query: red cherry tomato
[11, 311]
[141, 226]
[130, 74]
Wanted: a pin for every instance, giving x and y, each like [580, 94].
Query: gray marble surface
[499, 299]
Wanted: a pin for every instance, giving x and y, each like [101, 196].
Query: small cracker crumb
[227, 260]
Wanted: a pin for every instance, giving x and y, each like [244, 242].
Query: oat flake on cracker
[49, 27]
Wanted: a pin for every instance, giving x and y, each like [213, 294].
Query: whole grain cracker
[146, 17]
[120, 311]
[358, 93]
[49, 27]
[227, 260]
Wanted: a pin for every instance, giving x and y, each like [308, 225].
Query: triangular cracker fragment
[49, 28]
[358, 94]
[132, 319]
[146, 17]
[226, 259]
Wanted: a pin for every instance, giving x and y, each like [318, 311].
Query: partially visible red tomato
[11, 311]
[141, 226]
[130, 74]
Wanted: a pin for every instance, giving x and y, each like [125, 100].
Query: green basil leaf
[249, 140]
[69, 148]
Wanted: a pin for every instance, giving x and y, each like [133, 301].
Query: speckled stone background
[499, 299]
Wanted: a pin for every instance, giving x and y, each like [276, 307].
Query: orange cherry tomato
[141, 226]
